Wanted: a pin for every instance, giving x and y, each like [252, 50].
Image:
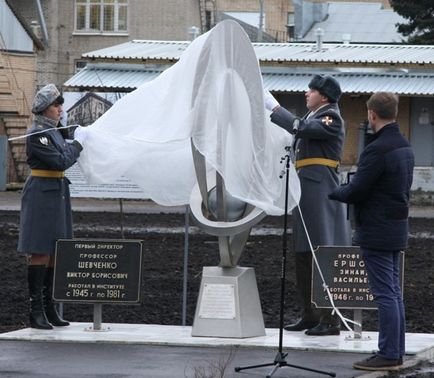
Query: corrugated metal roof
[332, 53]
[364, 22]
[112, 79]
[141, 50]
[355, 54]
[357, 83]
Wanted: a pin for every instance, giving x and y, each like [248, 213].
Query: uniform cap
[327, 86]
[45, 97]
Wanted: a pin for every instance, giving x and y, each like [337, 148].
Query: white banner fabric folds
[214, 96]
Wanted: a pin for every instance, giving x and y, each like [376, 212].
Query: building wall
[423, 130]
[276, 12]
[47, 66]
[24, 69]
[87, 111]
[353, 110]
[150, 19]
[17, 82]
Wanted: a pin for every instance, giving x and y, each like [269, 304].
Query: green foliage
[420, 16]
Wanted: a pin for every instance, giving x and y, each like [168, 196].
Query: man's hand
[80, 134]
[270, 102]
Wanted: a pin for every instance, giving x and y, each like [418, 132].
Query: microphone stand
[280, 359]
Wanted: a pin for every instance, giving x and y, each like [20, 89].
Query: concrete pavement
[21, 359]
[146, 350]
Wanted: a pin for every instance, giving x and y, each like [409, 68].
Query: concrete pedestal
[228, 304]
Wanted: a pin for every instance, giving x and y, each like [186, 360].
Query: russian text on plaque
[97, 270]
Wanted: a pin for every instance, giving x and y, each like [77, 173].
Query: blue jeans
[383, 273]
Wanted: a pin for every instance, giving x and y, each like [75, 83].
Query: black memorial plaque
[98, 271]
[345, 274]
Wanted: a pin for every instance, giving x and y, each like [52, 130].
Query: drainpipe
[261, 20]
[42, 23]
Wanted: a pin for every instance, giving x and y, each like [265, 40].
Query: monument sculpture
[199, 134]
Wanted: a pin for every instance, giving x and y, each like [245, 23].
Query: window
[79, 65]
[101, 16]
[290, 26]
[208, 20]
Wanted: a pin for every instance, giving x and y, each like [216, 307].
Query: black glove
[333, 196]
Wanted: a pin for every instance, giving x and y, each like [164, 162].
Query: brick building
[18, 60]
[76, 26]
[69, 28]
[87, 109]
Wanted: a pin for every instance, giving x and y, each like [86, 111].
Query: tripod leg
[331, 374]
[237, 369]
[272, 371]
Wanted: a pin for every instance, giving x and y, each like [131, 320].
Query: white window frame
[87, 30]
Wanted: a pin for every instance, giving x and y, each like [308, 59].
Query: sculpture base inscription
[228, 304]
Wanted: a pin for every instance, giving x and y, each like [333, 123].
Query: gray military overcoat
[320, 135]
[45, 204]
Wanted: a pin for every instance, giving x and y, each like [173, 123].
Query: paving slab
[153, 334]
[116, 347]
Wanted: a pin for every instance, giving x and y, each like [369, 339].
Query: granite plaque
[98, 271]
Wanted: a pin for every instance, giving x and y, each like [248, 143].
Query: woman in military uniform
[45, 204]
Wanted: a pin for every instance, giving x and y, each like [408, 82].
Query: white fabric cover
[212, 95]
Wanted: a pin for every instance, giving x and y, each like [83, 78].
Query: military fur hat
[327, 86]
[45, 97]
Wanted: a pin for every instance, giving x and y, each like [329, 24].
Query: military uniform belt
[47, 173]
[317, 161]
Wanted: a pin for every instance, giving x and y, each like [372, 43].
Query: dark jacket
[380, 190]
[45, 203]
[319, 136]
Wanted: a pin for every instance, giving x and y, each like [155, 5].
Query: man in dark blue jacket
[380, 191]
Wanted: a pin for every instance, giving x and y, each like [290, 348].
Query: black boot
[303, 272]
[50, 307]
[35, 277]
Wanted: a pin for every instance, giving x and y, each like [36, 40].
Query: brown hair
[384, 104]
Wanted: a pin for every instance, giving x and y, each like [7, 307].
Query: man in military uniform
[45, 204]
[319, 139]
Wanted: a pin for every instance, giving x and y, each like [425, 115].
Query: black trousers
[303, 275]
